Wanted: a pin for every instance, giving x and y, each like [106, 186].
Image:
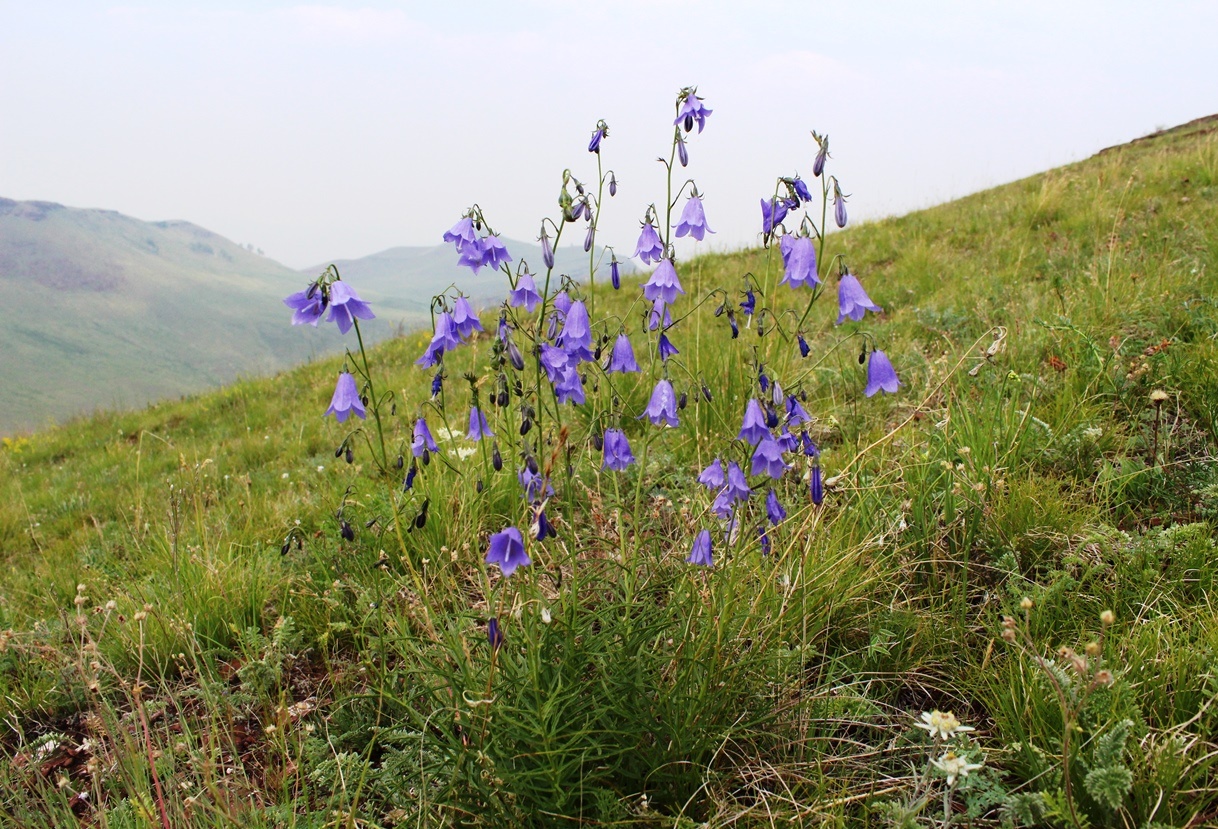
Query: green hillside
[1022, 538]
[110, 312]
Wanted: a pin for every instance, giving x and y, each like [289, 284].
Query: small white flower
[284, 476]
[321, 469]
[942, 725]
[953, 765]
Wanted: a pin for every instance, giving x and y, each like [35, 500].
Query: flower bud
[1107, 618]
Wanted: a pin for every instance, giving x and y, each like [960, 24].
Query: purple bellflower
[788, 441]
[462, 236]
[809, 448]
[594, 146]
[576, 338]
[749, 306]
[852, 301]
[799, 262]
[773, 211]
[615, 274]
[804, 348]
[767, 458]
[662, 407]
[478, 427]
[307, 305]
[650, 249]
[712, 477]
[801, 189]
[701, 552]
[693, 220]
[535, 486]
[816, 486]
[753, 429]
[423, 441]
[570, 387]
[554, 360]
[617, 450]
[346, 399]
[507, 550]
[764, 538]
[667, 349]
[464, 318]
[773, 509]
[437, 383]
[525, 293]
[737, 489]
[796, 413]
[659, 316]
[444, 339]
[692, 111]
[344, 305]
[881, 375]
[622, 358]
[663, 283]
[682, 151]
[562, 303]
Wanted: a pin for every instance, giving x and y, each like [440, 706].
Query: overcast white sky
[336, 130]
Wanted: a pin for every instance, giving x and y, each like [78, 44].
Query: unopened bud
[1107, 618]
[1025, 603]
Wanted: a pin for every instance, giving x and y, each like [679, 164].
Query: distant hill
[106, 311]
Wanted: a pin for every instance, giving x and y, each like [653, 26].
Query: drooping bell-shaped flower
[749, 305]
[666, 348]
[712, 477]
[662, 408]
[525, 293]
[852, 301]
[346, 399]
[617, 450]
[344, 305]
[799, 262]
[663, 283]
[547, 250]
[494, 635]
[773, 509]
[701, 552]
[478, 427]
[753, 429]
[535, 486]
[693, 220]
[444, 339]
[650, 249]
[570, 387]
[423, 441]
[796, 413]
[622, 358]
[462, 236]
[773, 211]
[660, 316]
[816, 485]
[507, 550]
[464, 318]
[801, 189]
[576, 336]
[736, 489]
[804, 348]
[615, 274]
[682, 151]
[881, 376]
[307, 305]
[767, 458]
[691, 110]
[554, 360]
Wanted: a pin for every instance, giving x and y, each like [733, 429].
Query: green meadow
[1022, 537]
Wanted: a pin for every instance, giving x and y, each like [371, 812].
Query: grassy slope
[777, 687]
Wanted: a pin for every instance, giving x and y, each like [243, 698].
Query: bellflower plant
[881, 376]
[693, 220]
[853, 302]
[663, 284]
[649, 248]
[690, 110]
[507, 550]
[701, 552]
[622, 358]
[753, 428]
[345, 306]
[617, 450]
[346, 399]
[308, 305]
[663, 405]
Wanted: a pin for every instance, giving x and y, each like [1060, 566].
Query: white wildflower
[943, 725]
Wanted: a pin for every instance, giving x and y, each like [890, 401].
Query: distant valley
[107, 311]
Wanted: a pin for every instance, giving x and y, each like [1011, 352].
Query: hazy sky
[336, 130]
